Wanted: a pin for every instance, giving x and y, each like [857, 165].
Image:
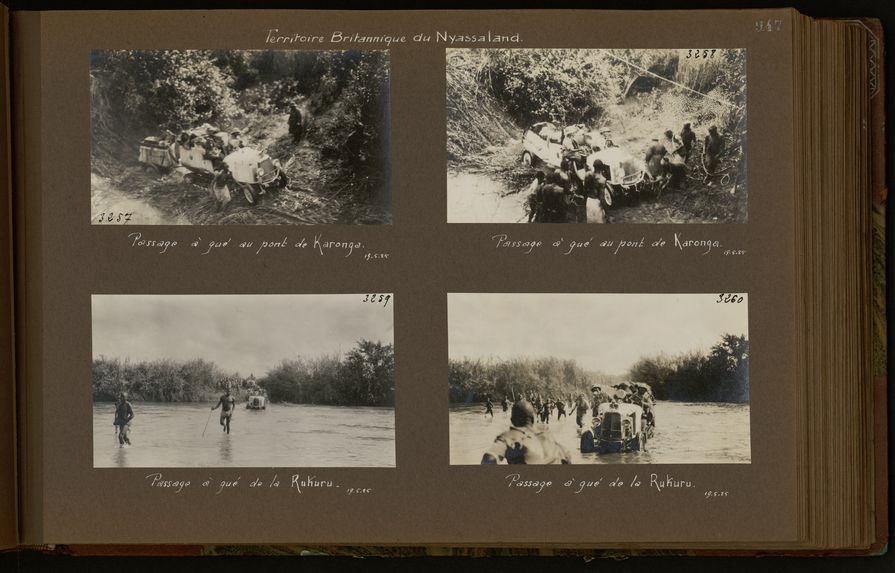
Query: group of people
[525, 443]
[124, 414]
[562, 196]
[667, 159]
[214, 145]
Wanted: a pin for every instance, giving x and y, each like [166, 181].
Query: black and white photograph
[538, 135]
[242, 137]
[243, 381]
[598, 378]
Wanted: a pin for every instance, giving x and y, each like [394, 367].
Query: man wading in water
[124, 413]
[227, 403]
[523, 444]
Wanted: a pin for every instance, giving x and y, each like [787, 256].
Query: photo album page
[323, 277]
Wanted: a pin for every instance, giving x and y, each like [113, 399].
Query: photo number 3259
[382, 299]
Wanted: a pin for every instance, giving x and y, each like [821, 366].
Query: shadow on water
[121, 457]
[225, 449]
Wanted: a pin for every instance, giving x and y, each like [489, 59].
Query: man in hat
[523, 444]
[228, 404]
[124, 413]
[234, 142]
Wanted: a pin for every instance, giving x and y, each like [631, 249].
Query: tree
[169, 89]
[367, 376]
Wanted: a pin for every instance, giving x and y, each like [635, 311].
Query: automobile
[254, 172]
[618, 427]
[542, 142]
[245, 169]
[156, 153]
[623, 172]
[256, 402]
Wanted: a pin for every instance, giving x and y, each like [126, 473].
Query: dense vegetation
[473, 380]
[362, 377]
[584, 86]
[719, 375]
[175, 89]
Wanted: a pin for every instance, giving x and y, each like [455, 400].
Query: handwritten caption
[659, 483]
[676, 241]
[295, 483]
[318, 244]
[276, 36]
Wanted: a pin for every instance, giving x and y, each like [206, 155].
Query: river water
[478, 198]
[284, 435]
[686, 433]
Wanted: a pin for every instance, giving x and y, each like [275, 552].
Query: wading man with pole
[228, 404]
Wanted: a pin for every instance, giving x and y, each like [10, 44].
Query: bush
[721, 375]
[161, 380]
[473, 380]
[363, 377]
[167, 89]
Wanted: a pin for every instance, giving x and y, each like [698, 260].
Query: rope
[682, 86]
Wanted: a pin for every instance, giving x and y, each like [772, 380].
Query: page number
[768, 25]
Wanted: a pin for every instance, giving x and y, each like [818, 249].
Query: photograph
[540, 135]
[240, 137]
[243, 381]
[598, 378]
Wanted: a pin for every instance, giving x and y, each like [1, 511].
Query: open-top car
[618, 427]
[542, 142]
[254, 172]
[624, 174]
[156, 153]
[199, 155]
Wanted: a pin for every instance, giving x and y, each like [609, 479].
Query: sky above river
[602, 332]
[245, 333]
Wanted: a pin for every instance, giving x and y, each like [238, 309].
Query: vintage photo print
[246, 137]
[598, 378]
[596, 136]
[243, 381]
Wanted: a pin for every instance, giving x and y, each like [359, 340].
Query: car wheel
[249, 194]
[608, 198]
[527, 159]
[587, 442]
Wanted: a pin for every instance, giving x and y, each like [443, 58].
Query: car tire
[249, 194]
[608, 198]
[587, 442]
[528, 159]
